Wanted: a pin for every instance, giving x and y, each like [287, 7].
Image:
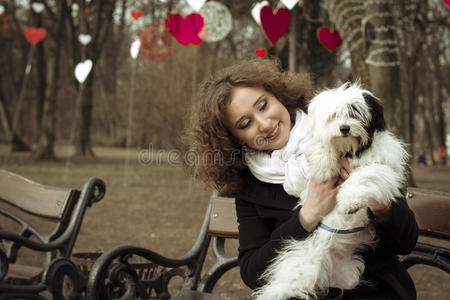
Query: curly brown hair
[214, 154]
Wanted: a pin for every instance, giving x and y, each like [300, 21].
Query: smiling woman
[252, 103]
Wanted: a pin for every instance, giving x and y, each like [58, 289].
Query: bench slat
[223, 219]
[34, 198]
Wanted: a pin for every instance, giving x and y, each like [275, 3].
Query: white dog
[344, 122]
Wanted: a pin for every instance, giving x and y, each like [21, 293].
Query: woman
[252, 105]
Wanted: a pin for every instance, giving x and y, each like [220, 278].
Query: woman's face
[257, 119]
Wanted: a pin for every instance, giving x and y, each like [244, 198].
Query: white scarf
[287, 165]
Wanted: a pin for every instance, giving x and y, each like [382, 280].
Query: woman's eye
[262, 104]
[244, 124]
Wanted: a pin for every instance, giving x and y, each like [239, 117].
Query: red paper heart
[448, 2]
[274, 26]
[185, 30]
[34, 35]
[330, 39]
[86, 12]
[136, 14]
[261, 52]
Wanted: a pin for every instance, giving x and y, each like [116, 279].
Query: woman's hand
[319, 202]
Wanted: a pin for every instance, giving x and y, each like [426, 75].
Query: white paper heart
[82, 70]
[256, 10]
[196, 4]
[37, 7]
[2, 9]
[289, 3]
[84, 39]
[134, 49]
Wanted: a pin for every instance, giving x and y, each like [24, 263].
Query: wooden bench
[61, 208]
[117, 275]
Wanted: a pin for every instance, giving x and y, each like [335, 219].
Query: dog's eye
[353, 112]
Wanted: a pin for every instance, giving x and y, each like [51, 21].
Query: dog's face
[346, 118]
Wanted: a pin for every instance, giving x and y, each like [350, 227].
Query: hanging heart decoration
[289, 3]
[448, 2]
[185, 30]
[84, 39]
[134, 49]
[196, 4]
[34, 35]
[261, 52]
[74, 10]
[82, 70]
[136, 14]
[37, 7]
[217, 19]
[86, 12]
[256, 11]
[156, 42]
[274, 25]
[330, 39]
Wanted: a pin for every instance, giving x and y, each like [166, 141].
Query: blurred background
[102, 88]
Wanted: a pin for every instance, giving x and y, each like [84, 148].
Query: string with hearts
[81, 72]
[185, 30]
[274, 25]
[330, 39]
[261, 52]
[37, 7]
[136, 14]
[35, 35]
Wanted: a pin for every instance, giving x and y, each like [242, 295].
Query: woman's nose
[263, 124]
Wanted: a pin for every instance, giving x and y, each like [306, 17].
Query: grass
[160, 207]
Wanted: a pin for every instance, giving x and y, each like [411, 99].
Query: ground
[155, 204]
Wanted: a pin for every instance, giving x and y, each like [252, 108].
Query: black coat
[266, 218]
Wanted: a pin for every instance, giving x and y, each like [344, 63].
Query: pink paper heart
[185, 30]
[448, 2]
[274, 26]
[261, 52]
[330, 39]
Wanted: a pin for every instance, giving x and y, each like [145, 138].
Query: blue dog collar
[341, 231]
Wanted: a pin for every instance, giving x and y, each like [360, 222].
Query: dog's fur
[307, 268]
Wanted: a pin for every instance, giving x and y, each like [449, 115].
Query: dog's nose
[345, 129]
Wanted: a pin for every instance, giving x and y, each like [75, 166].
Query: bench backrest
[66, 207]
[431, 208]
[34, 198]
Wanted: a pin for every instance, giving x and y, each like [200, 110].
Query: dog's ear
[376, 111]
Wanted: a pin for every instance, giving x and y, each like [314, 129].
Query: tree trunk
[82, 141]
[347, 16]
[383, 61]
[45, 145]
